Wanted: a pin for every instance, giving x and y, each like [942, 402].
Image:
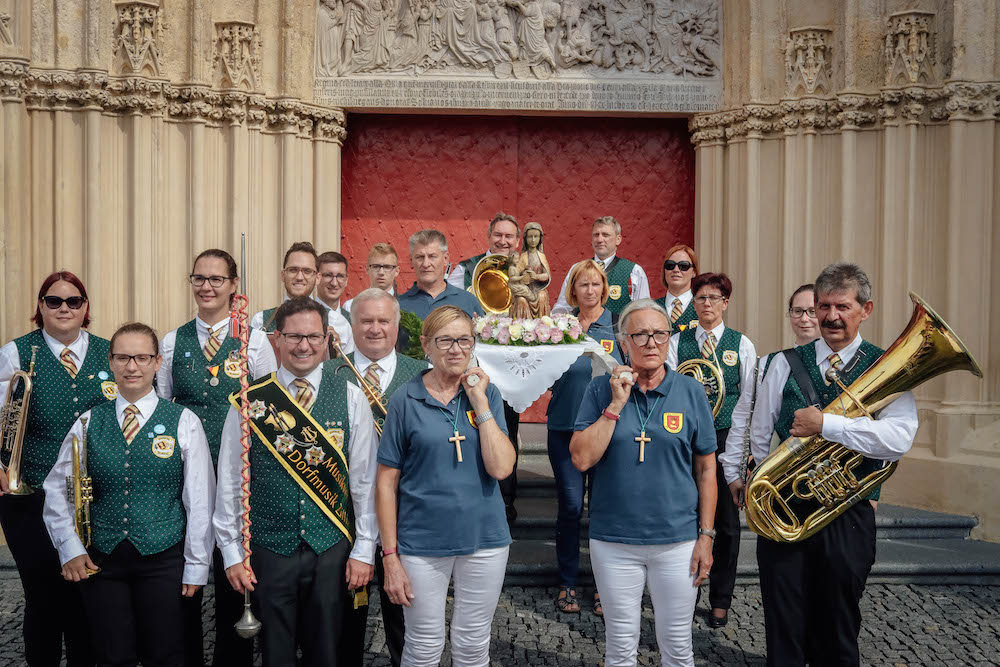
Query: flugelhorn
[808, 482]
[13, 424]
[80, 489]
[374, 396]
[710, 377]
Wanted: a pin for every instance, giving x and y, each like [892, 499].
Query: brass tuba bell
[490, 283]
[808, 482]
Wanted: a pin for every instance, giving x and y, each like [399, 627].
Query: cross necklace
[641, 438]
[457, 439]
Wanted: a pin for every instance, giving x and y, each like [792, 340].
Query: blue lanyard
[457, 439]
[641, 438]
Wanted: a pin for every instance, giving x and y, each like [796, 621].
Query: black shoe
[716, 622]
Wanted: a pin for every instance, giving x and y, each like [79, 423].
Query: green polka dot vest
[688, 318]
[406, 370]
[268, 316]
[58, 399]
[138, 485]
[470, 266]
[282, 515]
[618, 281]
[727, 349]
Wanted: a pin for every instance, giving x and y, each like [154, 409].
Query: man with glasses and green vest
[735, 357]
[312, 502]
[299, 273]
[627, 281]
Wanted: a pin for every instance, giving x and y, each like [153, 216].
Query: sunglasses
[670, 265]
[56, 302]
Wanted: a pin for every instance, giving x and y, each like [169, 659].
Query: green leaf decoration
[414, 326]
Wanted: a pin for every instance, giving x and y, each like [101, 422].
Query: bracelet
[483, 418]
[610, 415]
[388, 552]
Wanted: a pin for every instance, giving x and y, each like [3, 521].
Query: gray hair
[426, 237]
[373, 294]
[608, 220]
[635, 307]
[843, 276]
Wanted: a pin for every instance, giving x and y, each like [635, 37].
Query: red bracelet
[387, 552]
[610, 415]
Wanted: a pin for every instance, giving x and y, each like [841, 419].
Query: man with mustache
[812, 589]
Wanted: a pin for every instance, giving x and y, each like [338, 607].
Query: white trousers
[622, 571]
[478, 580]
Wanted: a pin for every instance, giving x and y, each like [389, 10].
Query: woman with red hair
[680, 266]
[71, 375]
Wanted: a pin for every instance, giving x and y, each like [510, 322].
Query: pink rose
[556, 335]
[528, 336]
[542, 333]
[487, 333]
[575, 331]
[503, 336]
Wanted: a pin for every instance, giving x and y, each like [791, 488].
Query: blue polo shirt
[420, 303]
[446, 508]
[654, 502]
[568, 390]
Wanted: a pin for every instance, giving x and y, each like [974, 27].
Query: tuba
[13, 423]
[808, 482]
[490, 283]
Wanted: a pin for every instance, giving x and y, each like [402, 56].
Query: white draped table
[523, 373]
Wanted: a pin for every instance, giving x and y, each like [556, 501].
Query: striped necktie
[130, 424]
[835, 363]
[212, 345]
[66, 360]
[371, 376]
[676, 311]
[708, 349]
[305, 395]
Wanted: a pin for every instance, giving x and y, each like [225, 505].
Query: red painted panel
[404, 173]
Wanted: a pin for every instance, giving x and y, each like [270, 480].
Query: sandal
[566, 601]
[598, 609]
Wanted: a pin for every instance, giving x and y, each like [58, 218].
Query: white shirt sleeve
[10, 363]
[228, 517]
[887, 437]
[561, 303]
[58, 513]
[198, 497]
[261, 355]
[672, 352]
[748, 360]
[768, 408]
[640, 285]
[732, 456]
[165, 376]
[362, 452]
[457, 276]
[257, 321]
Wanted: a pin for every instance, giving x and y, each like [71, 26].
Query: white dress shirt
[349, 302]
[638, 284]
[887, 437]
[685, 300]
[457, 275]
[10, 361]
[342, 326]
[260, 354]
[386, 367]
[747, 352]
[198, 494]
[362, 449]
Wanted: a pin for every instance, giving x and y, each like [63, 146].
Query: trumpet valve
[86, 489]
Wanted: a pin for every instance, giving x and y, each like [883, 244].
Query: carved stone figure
[329, 36]
[529, 275]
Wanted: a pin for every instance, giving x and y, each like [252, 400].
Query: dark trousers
[134, 606]
[508, 486]
[812, 591]
[726, 549]
[300, 600]
[352, 647]
[53, 607]
[570, 487]
[230, 648]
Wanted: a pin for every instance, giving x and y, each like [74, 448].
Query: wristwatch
[710, 532]
[485, 417]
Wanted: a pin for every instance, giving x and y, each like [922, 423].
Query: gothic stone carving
[807, 62]
[6, 37]
[237, 55]
[909, 49]
[136, 32]
[519, 38]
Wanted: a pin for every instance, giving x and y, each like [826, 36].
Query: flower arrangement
[548, 330]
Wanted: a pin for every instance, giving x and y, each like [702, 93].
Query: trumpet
[374, 396]
[80, 489]
[13, 424]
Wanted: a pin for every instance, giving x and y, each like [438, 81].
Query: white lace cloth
[522, 374]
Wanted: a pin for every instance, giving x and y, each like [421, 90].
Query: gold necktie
[676, 311]
[305, 395]
[708, 349]
[67, 361]
[212, 345]
[835, 363]
[130, 424]
[371, 376]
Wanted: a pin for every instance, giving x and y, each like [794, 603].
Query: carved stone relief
[135, 49]
[6, 36]
[237, 55]
[909, 49]
[808, 62]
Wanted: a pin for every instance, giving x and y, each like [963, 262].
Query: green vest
[137, 486]
[57, 400]
[727, 349]
[618, 282]
[281, 514]
[790, 400]
[192, 382]
[267, 326]
[688, 318]
[406, 370]
[470, 265]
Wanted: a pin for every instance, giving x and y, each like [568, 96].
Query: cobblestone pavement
[904, 625]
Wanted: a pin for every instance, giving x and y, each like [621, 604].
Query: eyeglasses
[709, 298]
[141, 360]
[796, 313]
[445, 342]
[382, 267]
[292, 270]
[670, 265]
[330, 277]
[199, 280]
[314, 339]
[642, 339]
[56, 302]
